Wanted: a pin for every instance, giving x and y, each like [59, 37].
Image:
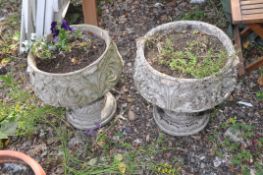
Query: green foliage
[248, 131]
[196, 14]
[56, 42]
[165, 168]
[104, 164]
[18, 114]
[242, 157]
[259, 168]
[41, 49]
[187, 62]
[245, 170]
[62, 44]
[103, 160]
[45, 49]
[9, 36]
[259, 95]
[211, 11]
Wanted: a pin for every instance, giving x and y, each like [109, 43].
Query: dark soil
[127, 20]
[181, 41]
[79, 57]
[15, 169]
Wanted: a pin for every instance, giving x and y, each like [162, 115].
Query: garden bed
[132, 142]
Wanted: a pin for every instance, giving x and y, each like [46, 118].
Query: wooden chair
[250, 13]
[90, 12]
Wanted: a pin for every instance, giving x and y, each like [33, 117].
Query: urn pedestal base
[180, 124]
[97, 113]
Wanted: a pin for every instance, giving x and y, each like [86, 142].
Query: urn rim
[232, 59]
[103, 34]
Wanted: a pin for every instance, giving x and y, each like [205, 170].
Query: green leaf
[3, 135]
[7, 129]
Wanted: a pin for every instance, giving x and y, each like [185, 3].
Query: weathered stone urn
[85, 92]
[181, 106]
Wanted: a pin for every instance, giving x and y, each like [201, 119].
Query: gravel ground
[128, 20]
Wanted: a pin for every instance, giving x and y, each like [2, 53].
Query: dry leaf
[260, 81]
[246, 44]
[74, 60]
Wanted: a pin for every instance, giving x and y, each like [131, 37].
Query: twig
[159, 47]
[16, 57]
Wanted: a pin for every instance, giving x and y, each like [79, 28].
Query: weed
[187, 62]
[248, 131]
[106, 164]
[195, 14]
[165, 168]
[259, 95]
[260, 70]
[259, 168]
[245, 170]
[242, 157]
[217, 13]
[18, 115]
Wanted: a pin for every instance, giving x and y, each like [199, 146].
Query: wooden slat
[26, 13]
[33, 11]
[245, 32]
[257, 28]
[22, 27]
[49, 14]
[254, 6]
[238, 46]
[31, 24]
[252, 12]
[250, 2]
[90, 11]
[255, 65]
[236, 13]
[56, 5]
[250, 19]
[40, 17]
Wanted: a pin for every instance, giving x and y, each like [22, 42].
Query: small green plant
[187, 62]
[57, 42]
[196, 14]
[229, 122]
[259, 168]
[165, 168]
[242, 157]
[259, 95]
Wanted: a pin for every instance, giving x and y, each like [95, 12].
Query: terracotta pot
[15, 156]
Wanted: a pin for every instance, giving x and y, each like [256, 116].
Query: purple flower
[65, 26]
[54, 29]
[55, 39]
[53, 25]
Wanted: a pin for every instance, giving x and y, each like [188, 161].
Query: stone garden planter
[85, 92]
[182, 105]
